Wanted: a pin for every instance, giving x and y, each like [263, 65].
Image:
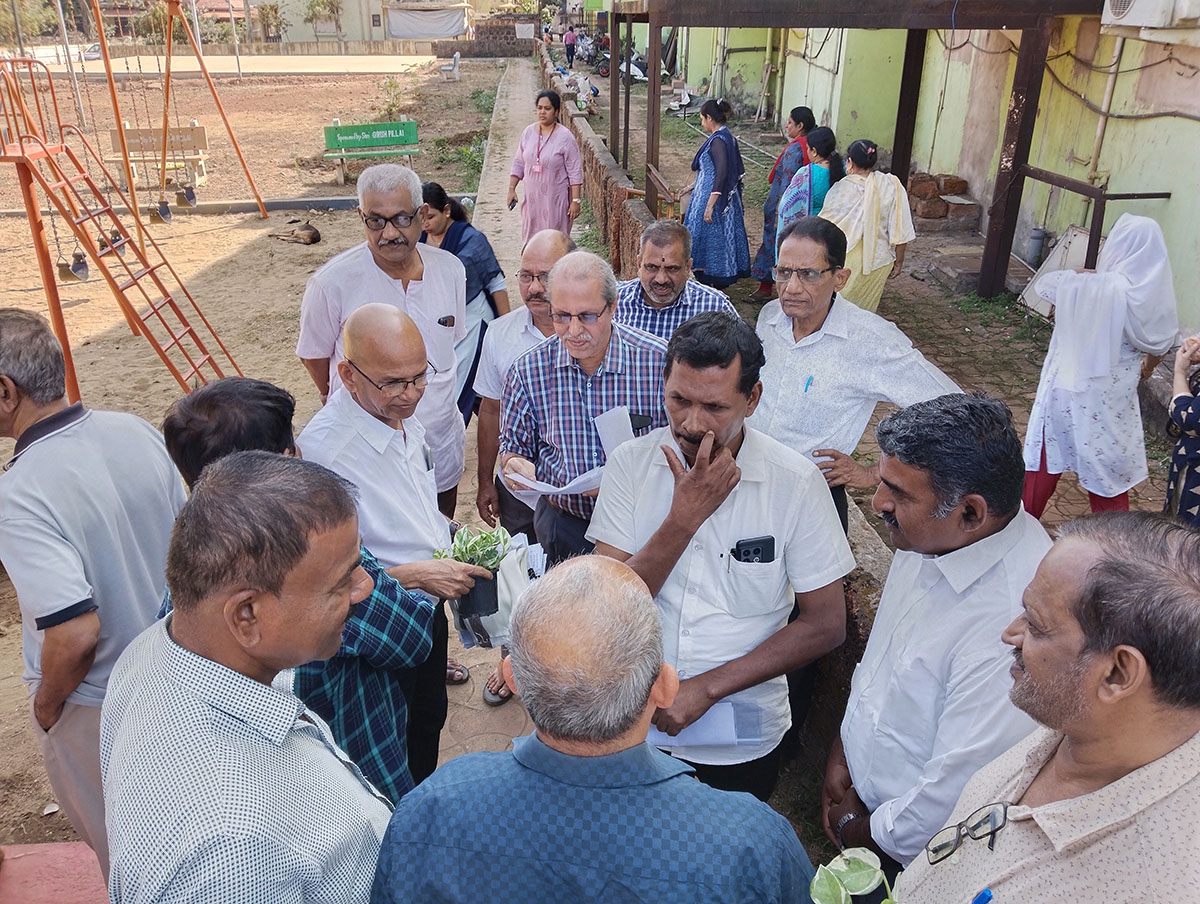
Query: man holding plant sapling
[370, 436]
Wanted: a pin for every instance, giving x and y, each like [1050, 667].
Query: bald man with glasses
[552, 393]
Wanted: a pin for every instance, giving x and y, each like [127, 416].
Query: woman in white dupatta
[872, 209]
[1086, 416]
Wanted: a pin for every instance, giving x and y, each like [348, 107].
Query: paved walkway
[472, 725]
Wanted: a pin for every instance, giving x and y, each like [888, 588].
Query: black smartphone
[640, 421]
[512, 203]
[754, 549]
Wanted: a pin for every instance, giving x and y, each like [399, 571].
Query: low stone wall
[296, 48]
[495, 36]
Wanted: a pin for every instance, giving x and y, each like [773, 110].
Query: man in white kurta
[929, 701]
[368, 434]
[1086, 417]
[428, 284]
[729, 529]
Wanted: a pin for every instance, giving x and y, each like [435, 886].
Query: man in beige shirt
[1102, 803]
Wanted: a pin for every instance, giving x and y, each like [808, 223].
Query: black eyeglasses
[783, 275]
[589, 318]
[397, 387]
[376, 223]
[983, 823]
[528, 276]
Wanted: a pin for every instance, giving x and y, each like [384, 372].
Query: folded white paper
[588, 480]
[614, 428]
[715, 728]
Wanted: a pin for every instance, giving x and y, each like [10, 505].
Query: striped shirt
[357, 691]
[696, 298]
[549, 401]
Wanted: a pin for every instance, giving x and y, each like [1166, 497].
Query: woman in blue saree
[715, 216]
[446, 226]
[805, 194]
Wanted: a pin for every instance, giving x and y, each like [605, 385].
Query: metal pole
[33, 214]
[166, 131]
[199, 44]
[233, 28]
[173, 9]
[17, 26]
[62, 30]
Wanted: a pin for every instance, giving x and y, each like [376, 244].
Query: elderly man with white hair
[426, 283]
[590, 810]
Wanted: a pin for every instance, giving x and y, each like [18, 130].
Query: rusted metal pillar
[1014, 154]
[628, 65]
[614, 85]
[906, 108]
[653, 110]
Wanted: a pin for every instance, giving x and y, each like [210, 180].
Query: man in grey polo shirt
[86, 508]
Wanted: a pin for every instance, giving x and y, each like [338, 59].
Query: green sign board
[592, 6]
[370, 135]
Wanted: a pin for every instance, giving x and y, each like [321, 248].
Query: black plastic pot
[482, 599]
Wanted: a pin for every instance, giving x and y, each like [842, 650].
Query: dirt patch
[278, 121]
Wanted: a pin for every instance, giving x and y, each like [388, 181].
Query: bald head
[385, 367]
[586, 649]
[543, 250]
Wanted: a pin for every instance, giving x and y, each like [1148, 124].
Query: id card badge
[537, 168]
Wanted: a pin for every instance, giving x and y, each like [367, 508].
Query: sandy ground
[248, 284]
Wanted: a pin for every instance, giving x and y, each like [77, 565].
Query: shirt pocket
[753, 589]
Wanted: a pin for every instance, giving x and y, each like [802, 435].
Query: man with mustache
[729, 529]
[929, 700]
[1101, 802]
[426, 283]
[552, 394]
[664, 295]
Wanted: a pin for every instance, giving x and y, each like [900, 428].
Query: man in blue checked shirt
[664, 295]
[357, 691]
[553, 392]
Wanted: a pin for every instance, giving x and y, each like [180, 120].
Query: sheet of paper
[716, 727]
[614, 428]
[588, 480]
[535, 559]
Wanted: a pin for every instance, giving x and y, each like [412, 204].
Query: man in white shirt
[1101, 803]
[829, 362]
[86, 507]
[428, 284]
[729, 529]
[368, 434]
[506, 339]
[929, 701]
[219, 784]
[663, 295]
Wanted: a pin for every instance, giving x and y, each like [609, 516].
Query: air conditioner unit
[1151, 13]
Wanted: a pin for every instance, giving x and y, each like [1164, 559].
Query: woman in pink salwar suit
[547, 159]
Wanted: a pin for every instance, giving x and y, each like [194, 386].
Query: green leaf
[826, 889]
[865, 855]
[857, 876]
[483, 548]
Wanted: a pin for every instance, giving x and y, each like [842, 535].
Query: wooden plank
[370, 135]
[906, 107]
[144, 141]
[908, 14]
[1014, 155]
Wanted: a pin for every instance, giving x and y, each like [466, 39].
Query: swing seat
[186, 197]
[76, 271]
[160, 212]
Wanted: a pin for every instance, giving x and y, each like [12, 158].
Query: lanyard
[539, 147]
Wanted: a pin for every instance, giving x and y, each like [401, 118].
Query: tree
[37, 18]
[272, 21]
[324, 9]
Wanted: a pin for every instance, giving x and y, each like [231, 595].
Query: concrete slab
[62, 873]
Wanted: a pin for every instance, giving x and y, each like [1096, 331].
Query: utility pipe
[1110, 87]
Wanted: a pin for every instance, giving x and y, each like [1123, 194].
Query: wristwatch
[841, 824]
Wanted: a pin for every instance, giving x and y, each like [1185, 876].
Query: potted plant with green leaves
[485, 548]
[855, 871]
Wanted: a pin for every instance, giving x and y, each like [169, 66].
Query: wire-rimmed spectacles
[526, 277]
[588, 317]
[398, 387]
[783, 275]
[983, 823]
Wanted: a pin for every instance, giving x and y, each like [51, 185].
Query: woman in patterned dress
[1183, 484]
[547, 160]
[805, 194]
[799, 123]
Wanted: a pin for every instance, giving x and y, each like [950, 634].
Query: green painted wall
[960, 121]
[870, 87]
[743, 72]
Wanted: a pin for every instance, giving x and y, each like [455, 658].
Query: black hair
[249, 521]
[965, 444]
[716, 109]
[803, 117]
[824, 142]
[824, 233]
[1143, 591]
[714, 339]
[234, 414]
[864, 153]
[435, 196]
[552, 96]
